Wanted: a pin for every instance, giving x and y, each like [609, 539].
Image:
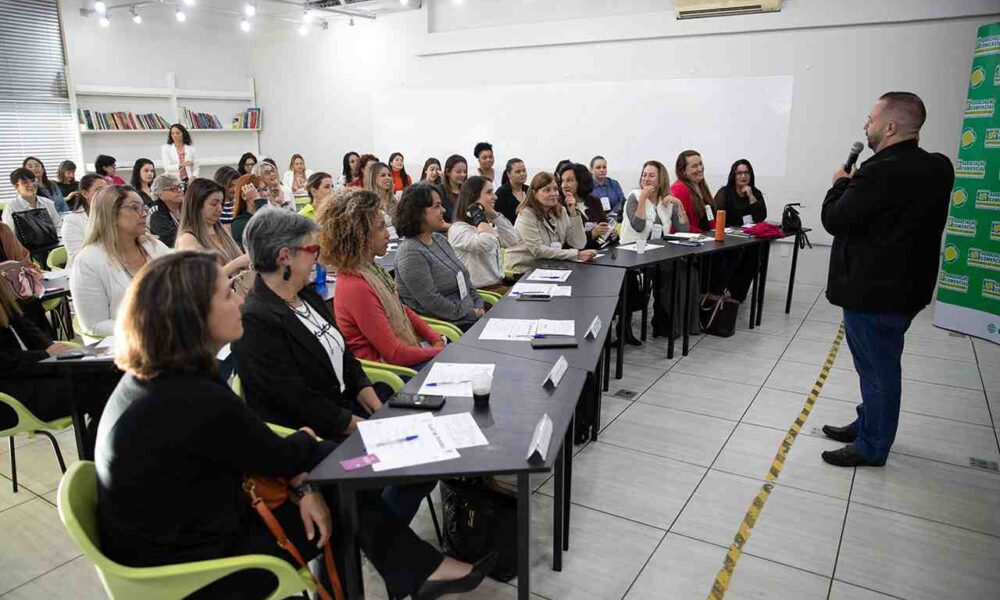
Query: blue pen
[408, 438]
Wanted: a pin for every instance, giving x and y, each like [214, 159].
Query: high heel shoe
[435, 589]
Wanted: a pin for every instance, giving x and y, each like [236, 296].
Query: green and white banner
[968, 296]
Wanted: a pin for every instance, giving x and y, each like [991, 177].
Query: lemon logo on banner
[951, 253]
[959, 197]
[968, 138]
[978, 77]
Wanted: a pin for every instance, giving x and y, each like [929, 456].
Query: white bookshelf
[126, 145]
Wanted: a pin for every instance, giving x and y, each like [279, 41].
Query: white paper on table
[459, 431]
[549, 275]
[453, 379]
[561, 290]
[551, 327]
[631, 247]
[385, 439]
[550, 289]
[509, 329]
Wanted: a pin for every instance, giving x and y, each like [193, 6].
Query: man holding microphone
[886, 219]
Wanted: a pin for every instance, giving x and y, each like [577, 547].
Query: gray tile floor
[658, 498]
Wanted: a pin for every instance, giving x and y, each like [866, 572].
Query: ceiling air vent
[690, 9]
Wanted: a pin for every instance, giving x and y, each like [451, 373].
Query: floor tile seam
[951, 385]
[608, 513]
[33, 579]
[744, 552]
[780, 483]
[989, 410]
[925, 519]
[653, 454]
[843, 527]
[686, 410]
[864, 587]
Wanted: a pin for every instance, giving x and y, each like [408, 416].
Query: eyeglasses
[744, 173]
[172, 188]
[314, 249]
[137, 207]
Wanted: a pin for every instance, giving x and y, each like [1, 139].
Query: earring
[288, 273]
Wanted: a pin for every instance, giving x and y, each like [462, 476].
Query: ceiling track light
[105, 21]
[100, 7]
[244, 25]
[181, 17]
[136, 17]
[189, 2]
[249, 9]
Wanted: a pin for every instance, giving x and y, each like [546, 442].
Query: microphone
[853, 156]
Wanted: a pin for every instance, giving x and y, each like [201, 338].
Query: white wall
[839, 71]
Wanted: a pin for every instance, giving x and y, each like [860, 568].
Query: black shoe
[848, 457]
[840, 434]
[434, 589]
[630, 338]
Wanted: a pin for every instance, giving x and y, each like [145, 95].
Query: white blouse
[327, 336]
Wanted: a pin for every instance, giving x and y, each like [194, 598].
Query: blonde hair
[663, 178]
[193, 222]
[347, 223]
[103, 228]
[387, 198]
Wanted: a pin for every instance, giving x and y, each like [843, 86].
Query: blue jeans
[876, 341]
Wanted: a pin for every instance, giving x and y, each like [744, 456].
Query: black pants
[734, 270]
[665, 289]
[403, 559]
[50, 397]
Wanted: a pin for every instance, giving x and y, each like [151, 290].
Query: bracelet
[301, 491]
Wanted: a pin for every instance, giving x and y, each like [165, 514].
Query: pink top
[368, 332]
[683, 193]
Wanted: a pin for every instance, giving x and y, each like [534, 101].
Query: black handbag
[718, 314]
[35, 230]
[479, 518]
[791, 222]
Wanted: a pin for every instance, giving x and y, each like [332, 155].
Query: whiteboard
[627, 122]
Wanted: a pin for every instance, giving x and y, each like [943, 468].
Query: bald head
[906, 110]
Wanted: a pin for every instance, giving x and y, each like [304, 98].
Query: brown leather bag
[267, 493]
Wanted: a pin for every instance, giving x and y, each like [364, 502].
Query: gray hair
[269, 230]
[162, 181]
[259, 168]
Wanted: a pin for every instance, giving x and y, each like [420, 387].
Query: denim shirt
[613, 191]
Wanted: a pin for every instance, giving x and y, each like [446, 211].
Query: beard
[874, 139]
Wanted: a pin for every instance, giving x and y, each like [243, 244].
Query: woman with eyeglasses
[165, 214]
[744, 205]
[269, 175]
[175, 444]
[117, 246]
[75, 223]
[246, 164]
[201, 226]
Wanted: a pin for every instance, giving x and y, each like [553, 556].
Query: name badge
[657, 231]
[555, 245]
[605, 203]
[709, 215]
[747, 220]
[463, 290]
[588, 226]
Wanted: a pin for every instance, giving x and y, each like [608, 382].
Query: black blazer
[286, 374]
[171, 455]
[14, 360]
[161, 224]
[887, 223]
[507, 203]
[737, 206]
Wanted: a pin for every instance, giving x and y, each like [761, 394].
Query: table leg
[558, 519]
[83, 449]
[523, 536]
[607, 364]
[597, 402]
[646, 287]
[791, 275]
[765, 257]
[686, 301]
[623, 314]
[672, 311]
[568, 482]
[354, 587]
[753, 294]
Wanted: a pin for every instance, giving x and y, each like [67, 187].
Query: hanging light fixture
[249, 9]
[244, 25]
[136, 17]
[181, 17]
[105, 21]
[100, 7]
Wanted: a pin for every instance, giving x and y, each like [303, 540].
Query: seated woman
[116, 247]
[350, 171]
[575, 180]
[431, 279]
[378, 180]
[513, 188]
[547, 228]
[46, 188]
[165, 214]
[173, 424]
[456, 171]
[201, 227]
[250, 195]
[143, 174]
[744, 204]
[376, 323]
[296, 176]
[226, 176]
[75, 222]
[246, 164]
[693, 192]
[319, 187]
[479, 232]
[66, 178]
[107, 167]
[47, 395]
[400, 180]
[269, 175]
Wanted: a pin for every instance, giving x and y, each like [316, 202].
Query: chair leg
[55, 446]
[13, 463]
[434, 518]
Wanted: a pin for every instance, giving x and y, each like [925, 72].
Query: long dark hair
[186, 137]
[468, 195]
[136, 168]
[450, 164]
[731, 182]
[348, 176]
[584, 181]
[402, 172]
[505, 178]
[314, 182]
[45, 176]
[241, 166]
[76, 199]
[700, 194]
[427, 164]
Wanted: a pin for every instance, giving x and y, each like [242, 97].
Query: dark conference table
[517, 402]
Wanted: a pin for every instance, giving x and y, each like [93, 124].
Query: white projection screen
[628, 122]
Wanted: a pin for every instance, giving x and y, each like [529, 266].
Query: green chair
[397, 370]
[455, 331]
[489, 298]
[57, 258]
[78, 511]
[28, 424]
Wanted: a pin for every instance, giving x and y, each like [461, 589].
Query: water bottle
[320, 279]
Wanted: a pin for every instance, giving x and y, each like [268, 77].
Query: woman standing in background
[605, 187]
[400, 180]
[296, 175]
[178, 154]
[512, 192]
[143, 174]
[46, 188]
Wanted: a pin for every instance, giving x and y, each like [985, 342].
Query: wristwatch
[302, 490]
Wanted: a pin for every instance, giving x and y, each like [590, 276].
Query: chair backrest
[237, 386]
[449, 331]
[26, 421]
[376, 375]
[57, 258]
[78, 510]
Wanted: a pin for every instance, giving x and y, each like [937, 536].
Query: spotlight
[245, 25]
[307, 15]
[105, 21]
[189, 2]
[404, 2]
[136, 17]
[303, 30]
[249, 9]
[100, 7]
[456, 1]
[181, 17]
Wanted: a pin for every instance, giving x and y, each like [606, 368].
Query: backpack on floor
[479, 518]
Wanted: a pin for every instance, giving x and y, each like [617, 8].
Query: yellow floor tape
[725, 574]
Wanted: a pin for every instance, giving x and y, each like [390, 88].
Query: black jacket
[171, 455]
[737, 206]
[887, 223]
[162, 225]
[286, 374]
[14, 360]
[507, 202]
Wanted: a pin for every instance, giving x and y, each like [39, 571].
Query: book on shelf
[247, 119]
[197, 120]
[92, 120]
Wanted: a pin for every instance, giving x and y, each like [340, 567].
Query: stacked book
[197, 120]
[248, 119]
[119, 121]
